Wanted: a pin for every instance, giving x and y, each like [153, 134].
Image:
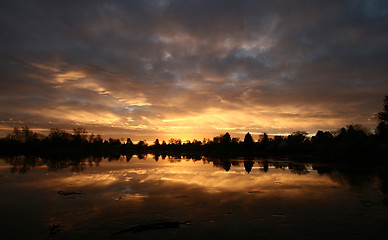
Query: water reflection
[22, 164]
[96, 197]
[354, 175]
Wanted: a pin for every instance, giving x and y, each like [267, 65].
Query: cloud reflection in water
[117, 194]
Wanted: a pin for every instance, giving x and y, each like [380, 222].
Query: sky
[192, 68]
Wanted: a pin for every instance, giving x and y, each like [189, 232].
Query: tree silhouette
[382, 128]
[129, 142]
[264, 143]
[129, 156]
[58, 136]
[226, 139]
[297, 137]
[350, 142]
[79, 135]
[265, 139]
[248, 164]
[265, 166]
[248, 141]
[174, 141]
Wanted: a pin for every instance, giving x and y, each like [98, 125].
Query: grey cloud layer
[147, 60]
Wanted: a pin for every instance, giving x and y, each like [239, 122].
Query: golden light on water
[183, 70]
[199, 174]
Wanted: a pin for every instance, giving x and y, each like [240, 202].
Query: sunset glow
[192, 69]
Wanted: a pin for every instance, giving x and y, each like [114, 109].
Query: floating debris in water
[54, 229]
[152, 226]
[68, 193]
[367, 203]
[255, 192]
[183, 196]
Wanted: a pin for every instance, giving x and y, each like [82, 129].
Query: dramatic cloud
[147, 69]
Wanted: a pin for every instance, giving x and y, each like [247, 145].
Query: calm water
[100, 198]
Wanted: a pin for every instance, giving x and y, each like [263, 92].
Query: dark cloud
[165, 67]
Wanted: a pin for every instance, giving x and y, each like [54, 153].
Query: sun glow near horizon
[110, 112]
[261, 70]
[206, 125]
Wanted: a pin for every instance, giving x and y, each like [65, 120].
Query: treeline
[25, 141]
[351, 141]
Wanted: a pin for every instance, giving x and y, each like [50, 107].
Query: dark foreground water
[99, 198]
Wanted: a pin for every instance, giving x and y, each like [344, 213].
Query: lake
[161, 197]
